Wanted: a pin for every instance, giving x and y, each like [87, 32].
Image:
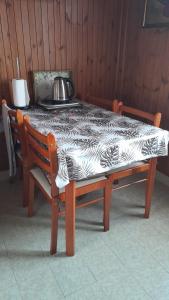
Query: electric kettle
[63, 89]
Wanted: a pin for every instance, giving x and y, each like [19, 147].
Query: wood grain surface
[102, 42]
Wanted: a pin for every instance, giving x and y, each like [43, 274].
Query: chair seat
[39, 175]
[132, 165]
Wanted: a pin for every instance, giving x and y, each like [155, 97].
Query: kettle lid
[59, 77]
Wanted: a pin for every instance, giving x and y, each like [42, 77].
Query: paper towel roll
[20, 92]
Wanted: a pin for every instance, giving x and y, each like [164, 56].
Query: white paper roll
[20, 92]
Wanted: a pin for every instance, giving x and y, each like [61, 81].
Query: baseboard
[162, 178]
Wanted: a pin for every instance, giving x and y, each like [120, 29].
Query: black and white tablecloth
[92, 140]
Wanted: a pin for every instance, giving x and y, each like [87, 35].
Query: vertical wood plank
[68, 14]
[4, 90]
[84, 45]
[6, 39]
[20, 38]
[33, 36]
[51, 28]
[63, 46]
[45, 31]
[39, 34]
[99, 47]
[89, 66]
[80, 47]
[74, 44]
[26, 35]
[12, 33]
[57, 35]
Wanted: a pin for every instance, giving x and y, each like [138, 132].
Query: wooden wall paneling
[99, 43]
[84, 50]
[112, 48]
[20, 38]
[39, 34]
[12, 33]
[4, 90]
[80, 47]
[63, 46]
[163, 95]
[74, 44]
[7, 45]
[45, 31]
[68, 30]
[33, 35]
[108, 45]
[26, 35]
[94, 46]
[136, 56]
[89, 65]
[27, 43]
[146, 72]
[57, 38]
[124, 44]
[118, 42]
[103, 49]
[51, 32]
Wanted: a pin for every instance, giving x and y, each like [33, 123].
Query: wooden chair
[16, 123]
[148, 166]
[42, 160]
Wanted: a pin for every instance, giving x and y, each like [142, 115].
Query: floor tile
[94, 292]
[71, 274]
[129, 262]
[121, 286]
[8, 285]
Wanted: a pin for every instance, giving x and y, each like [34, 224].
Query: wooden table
[91, 141]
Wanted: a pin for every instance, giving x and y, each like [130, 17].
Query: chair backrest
[102, 102]
[16, 123]
[120, 108]
[42, 152]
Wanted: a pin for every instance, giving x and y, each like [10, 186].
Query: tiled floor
[129, 262]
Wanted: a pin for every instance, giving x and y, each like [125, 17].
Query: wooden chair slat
[38, 147]
[36, 134]
[38, 161]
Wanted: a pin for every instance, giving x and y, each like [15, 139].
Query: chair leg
[106, 205]
[25, 187]
[54, 227]
[150, 186]
[70, 218]
[31, 196]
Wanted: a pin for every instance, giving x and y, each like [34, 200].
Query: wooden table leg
[70, 201]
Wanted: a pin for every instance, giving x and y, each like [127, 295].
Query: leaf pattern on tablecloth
[92, 140]
[150, 147]
[110, 155]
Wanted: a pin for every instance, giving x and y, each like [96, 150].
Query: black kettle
[63, 89]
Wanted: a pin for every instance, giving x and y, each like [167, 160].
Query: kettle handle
[72, 87]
